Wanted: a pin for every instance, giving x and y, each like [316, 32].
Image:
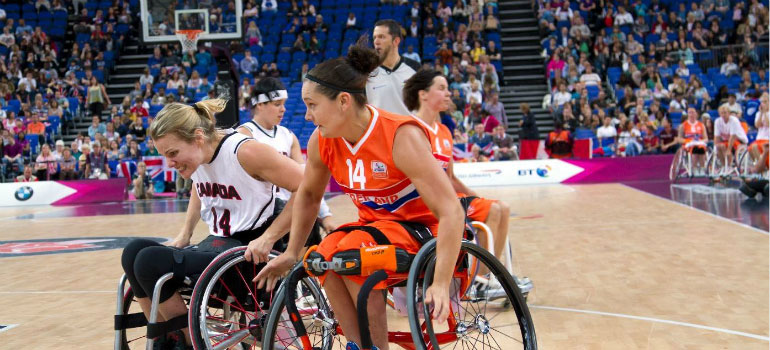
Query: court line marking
[8, 327]
[657, 320]
[57, 292]
[700, 210]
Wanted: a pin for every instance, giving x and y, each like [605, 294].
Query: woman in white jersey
[234, 193]
[268, 100]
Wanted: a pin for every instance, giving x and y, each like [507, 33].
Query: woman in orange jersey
[693, 137]
[427, 93]
[384, 163]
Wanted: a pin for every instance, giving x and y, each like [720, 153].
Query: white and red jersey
[231, 199]
[280, 138]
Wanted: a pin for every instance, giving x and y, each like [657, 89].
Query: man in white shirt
[729, 68]
[623, 17]
[385, 85]
[249, 64]
[590, 78]
[561, 97]
[606, 131]
[269, 5]
[410, 54]
[733, 106]
[728, 135]
[678, 104]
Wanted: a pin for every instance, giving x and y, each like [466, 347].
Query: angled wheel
[315, 327]
[132, 338]
[227, 311]
[676, 166]
[487, 310]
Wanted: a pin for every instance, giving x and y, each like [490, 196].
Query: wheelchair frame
[415, 338]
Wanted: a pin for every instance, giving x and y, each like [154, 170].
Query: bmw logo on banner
[24, 193]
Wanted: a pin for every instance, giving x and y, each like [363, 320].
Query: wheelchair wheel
[133, 338]
[487, 311]
[676, 165]
[320, 327]
[227, 311]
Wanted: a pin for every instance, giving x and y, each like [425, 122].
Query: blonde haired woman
[239, 214]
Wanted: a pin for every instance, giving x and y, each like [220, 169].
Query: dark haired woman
[427, 93]
[383, 161]
[268, 100]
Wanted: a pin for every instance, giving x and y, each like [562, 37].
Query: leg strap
[155, 330]
[178, 269]
[130, 321]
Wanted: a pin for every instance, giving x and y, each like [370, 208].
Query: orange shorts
[478, 210]
[735, 145]
[343, 241]
[759, 144]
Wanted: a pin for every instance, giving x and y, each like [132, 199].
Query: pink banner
[621, 169]
[93, 191]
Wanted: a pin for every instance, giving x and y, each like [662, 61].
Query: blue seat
[33, 142]
[55, 122]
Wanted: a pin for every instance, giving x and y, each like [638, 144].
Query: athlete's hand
[274, 270]
[438, 296]
[259, 249]
[180, 241]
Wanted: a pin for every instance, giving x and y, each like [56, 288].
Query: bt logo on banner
[540, 171]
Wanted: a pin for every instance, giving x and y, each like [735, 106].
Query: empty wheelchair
[479, 317]
[226, 310]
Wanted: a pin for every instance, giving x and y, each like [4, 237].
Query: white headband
[275, 95]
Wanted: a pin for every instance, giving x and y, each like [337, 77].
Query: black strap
[378, 236]
[155, 330]
[130, 321]
[466, 202]
[419, 231]
[179, 268]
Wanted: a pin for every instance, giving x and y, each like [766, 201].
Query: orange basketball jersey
[367, 173]
[440, 141]
[693, 131]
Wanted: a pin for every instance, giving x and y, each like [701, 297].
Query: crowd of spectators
[41, 91]
[637, 66]
[462, 40]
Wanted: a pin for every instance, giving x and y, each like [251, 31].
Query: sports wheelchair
[227, 311]
[683, 164]
[478, 317]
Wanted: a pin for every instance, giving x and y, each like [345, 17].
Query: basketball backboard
[218, 19]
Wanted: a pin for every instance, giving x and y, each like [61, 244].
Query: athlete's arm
[280, 171]
[680, 133]
[296, 151]
[244, 130]
[413, 156]
[308, 201]
[705, 136]
[191, 219]
[457, 185]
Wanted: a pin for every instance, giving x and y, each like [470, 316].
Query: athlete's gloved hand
[277, 268]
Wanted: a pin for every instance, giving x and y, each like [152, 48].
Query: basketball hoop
[189, 39]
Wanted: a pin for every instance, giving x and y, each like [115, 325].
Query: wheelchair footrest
[130, 321]
[157, 329]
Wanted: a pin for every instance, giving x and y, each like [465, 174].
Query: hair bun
[363, 59]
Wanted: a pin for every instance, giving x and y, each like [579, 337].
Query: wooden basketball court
[613, 268]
